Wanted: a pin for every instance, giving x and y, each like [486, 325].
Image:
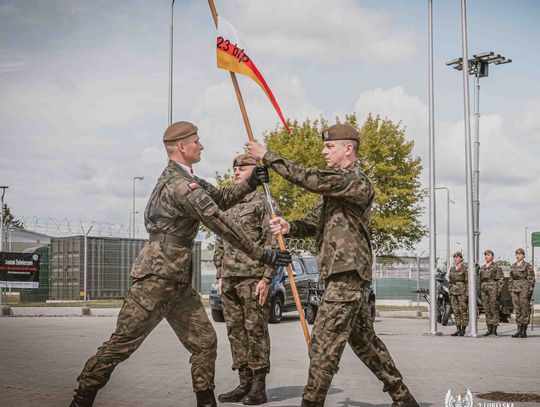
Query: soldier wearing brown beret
[161, 274]
[340, 223]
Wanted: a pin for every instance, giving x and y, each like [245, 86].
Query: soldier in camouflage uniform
[491, 284]
[161, 274]
[244, 285]
[459, 294]
[340, 223]
[521, 285]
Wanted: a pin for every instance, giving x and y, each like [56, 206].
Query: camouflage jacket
[521, 277]
[491, 276]
[459, 279]
[340, 219]
[252, 214]
[178, 203]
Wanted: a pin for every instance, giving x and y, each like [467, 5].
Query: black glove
[276, 257]
[530, 296]
[258, 176]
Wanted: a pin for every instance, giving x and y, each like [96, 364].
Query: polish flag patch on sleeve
[193, 185]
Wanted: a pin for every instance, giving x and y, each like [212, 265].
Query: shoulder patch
[204, 202]
[193, 185]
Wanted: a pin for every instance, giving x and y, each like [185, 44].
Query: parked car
[310, 291]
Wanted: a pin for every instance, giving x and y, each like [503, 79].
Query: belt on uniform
[171, 239]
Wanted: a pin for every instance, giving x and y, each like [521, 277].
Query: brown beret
[489, 251]
[520, 250]
[340, 132]
[179, 131]
[243, 160]
[458, 254]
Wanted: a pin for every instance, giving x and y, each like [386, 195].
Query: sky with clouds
[84, 96]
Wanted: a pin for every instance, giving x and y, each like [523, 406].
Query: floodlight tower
[478, 66]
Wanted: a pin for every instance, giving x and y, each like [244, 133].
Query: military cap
[458, 254]
[489, 251]
[520, 250]
[340, 132]
[179, 131]
[243, 160]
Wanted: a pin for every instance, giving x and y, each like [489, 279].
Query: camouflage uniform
[246, 319]
[161, 276]
[491, 283]
[521, 285]
[459, 294]
[340, 223]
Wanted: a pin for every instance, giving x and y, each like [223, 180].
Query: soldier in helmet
[161, 274]
[521, 285]
[491, 284]
[459, 294]
[244, 286]
[340, 223]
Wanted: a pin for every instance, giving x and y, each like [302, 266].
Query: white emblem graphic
[460, 400]
[35, 257]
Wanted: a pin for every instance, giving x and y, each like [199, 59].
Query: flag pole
[280, 239]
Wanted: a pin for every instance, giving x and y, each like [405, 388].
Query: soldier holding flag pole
[340, 223]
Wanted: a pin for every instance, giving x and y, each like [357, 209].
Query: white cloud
[333, 32]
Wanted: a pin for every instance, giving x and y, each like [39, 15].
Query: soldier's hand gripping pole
[281, 241]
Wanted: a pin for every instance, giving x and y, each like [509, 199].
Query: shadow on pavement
[353, 403]
[290, 392]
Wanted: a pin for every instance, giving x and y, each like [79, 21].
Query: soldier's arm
[199, 204]
[218, 256]
[329, 182]
[500, 278]
[226, 197]
[268, 240]
[466, 271]
[531, 277]
[306, 226]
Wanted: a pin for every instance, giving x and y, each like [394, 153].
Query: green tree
[384, 154]
[9, 219]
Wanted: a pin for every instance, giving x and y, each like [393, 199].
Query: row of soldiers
[491, 279]
[161, 274]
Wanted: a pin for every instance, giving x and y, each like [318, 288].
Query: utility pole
[134, 212]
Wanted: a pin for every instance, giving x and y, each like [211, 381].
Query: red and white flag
[232, 56]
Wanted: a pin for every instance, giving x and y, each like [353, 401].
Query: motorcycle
[444, 307]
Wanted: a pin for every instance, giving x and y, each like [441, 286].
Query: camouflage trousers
[520, 300]
[146, 303]
[247, 323]
[342, 318]
[490, 304]
[460, 306]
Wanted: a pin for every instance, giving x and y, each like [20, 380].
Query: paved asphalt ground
[40, 358]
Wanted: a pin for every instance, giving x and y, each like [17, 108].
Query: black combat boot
[488, 332]
[458, 330]
[407, 401]
[309, 403]
[518, 332]
[462, 330]
[523, 331]
[206, 398]
[83, 398]
[241, 391]
[494, 330]
[257, 393]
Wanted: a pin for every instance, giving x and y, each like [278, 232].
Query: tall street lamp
[448, 200]
[133, 212]
[478, 66]
[3, 188]
[526, 229]
[171, 61]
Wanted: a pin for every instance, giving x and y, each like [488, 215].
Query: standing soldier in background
[340, 223]
[161, 274]
[459, 294]
[491, 283]
[521, 285]
[244, 285]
